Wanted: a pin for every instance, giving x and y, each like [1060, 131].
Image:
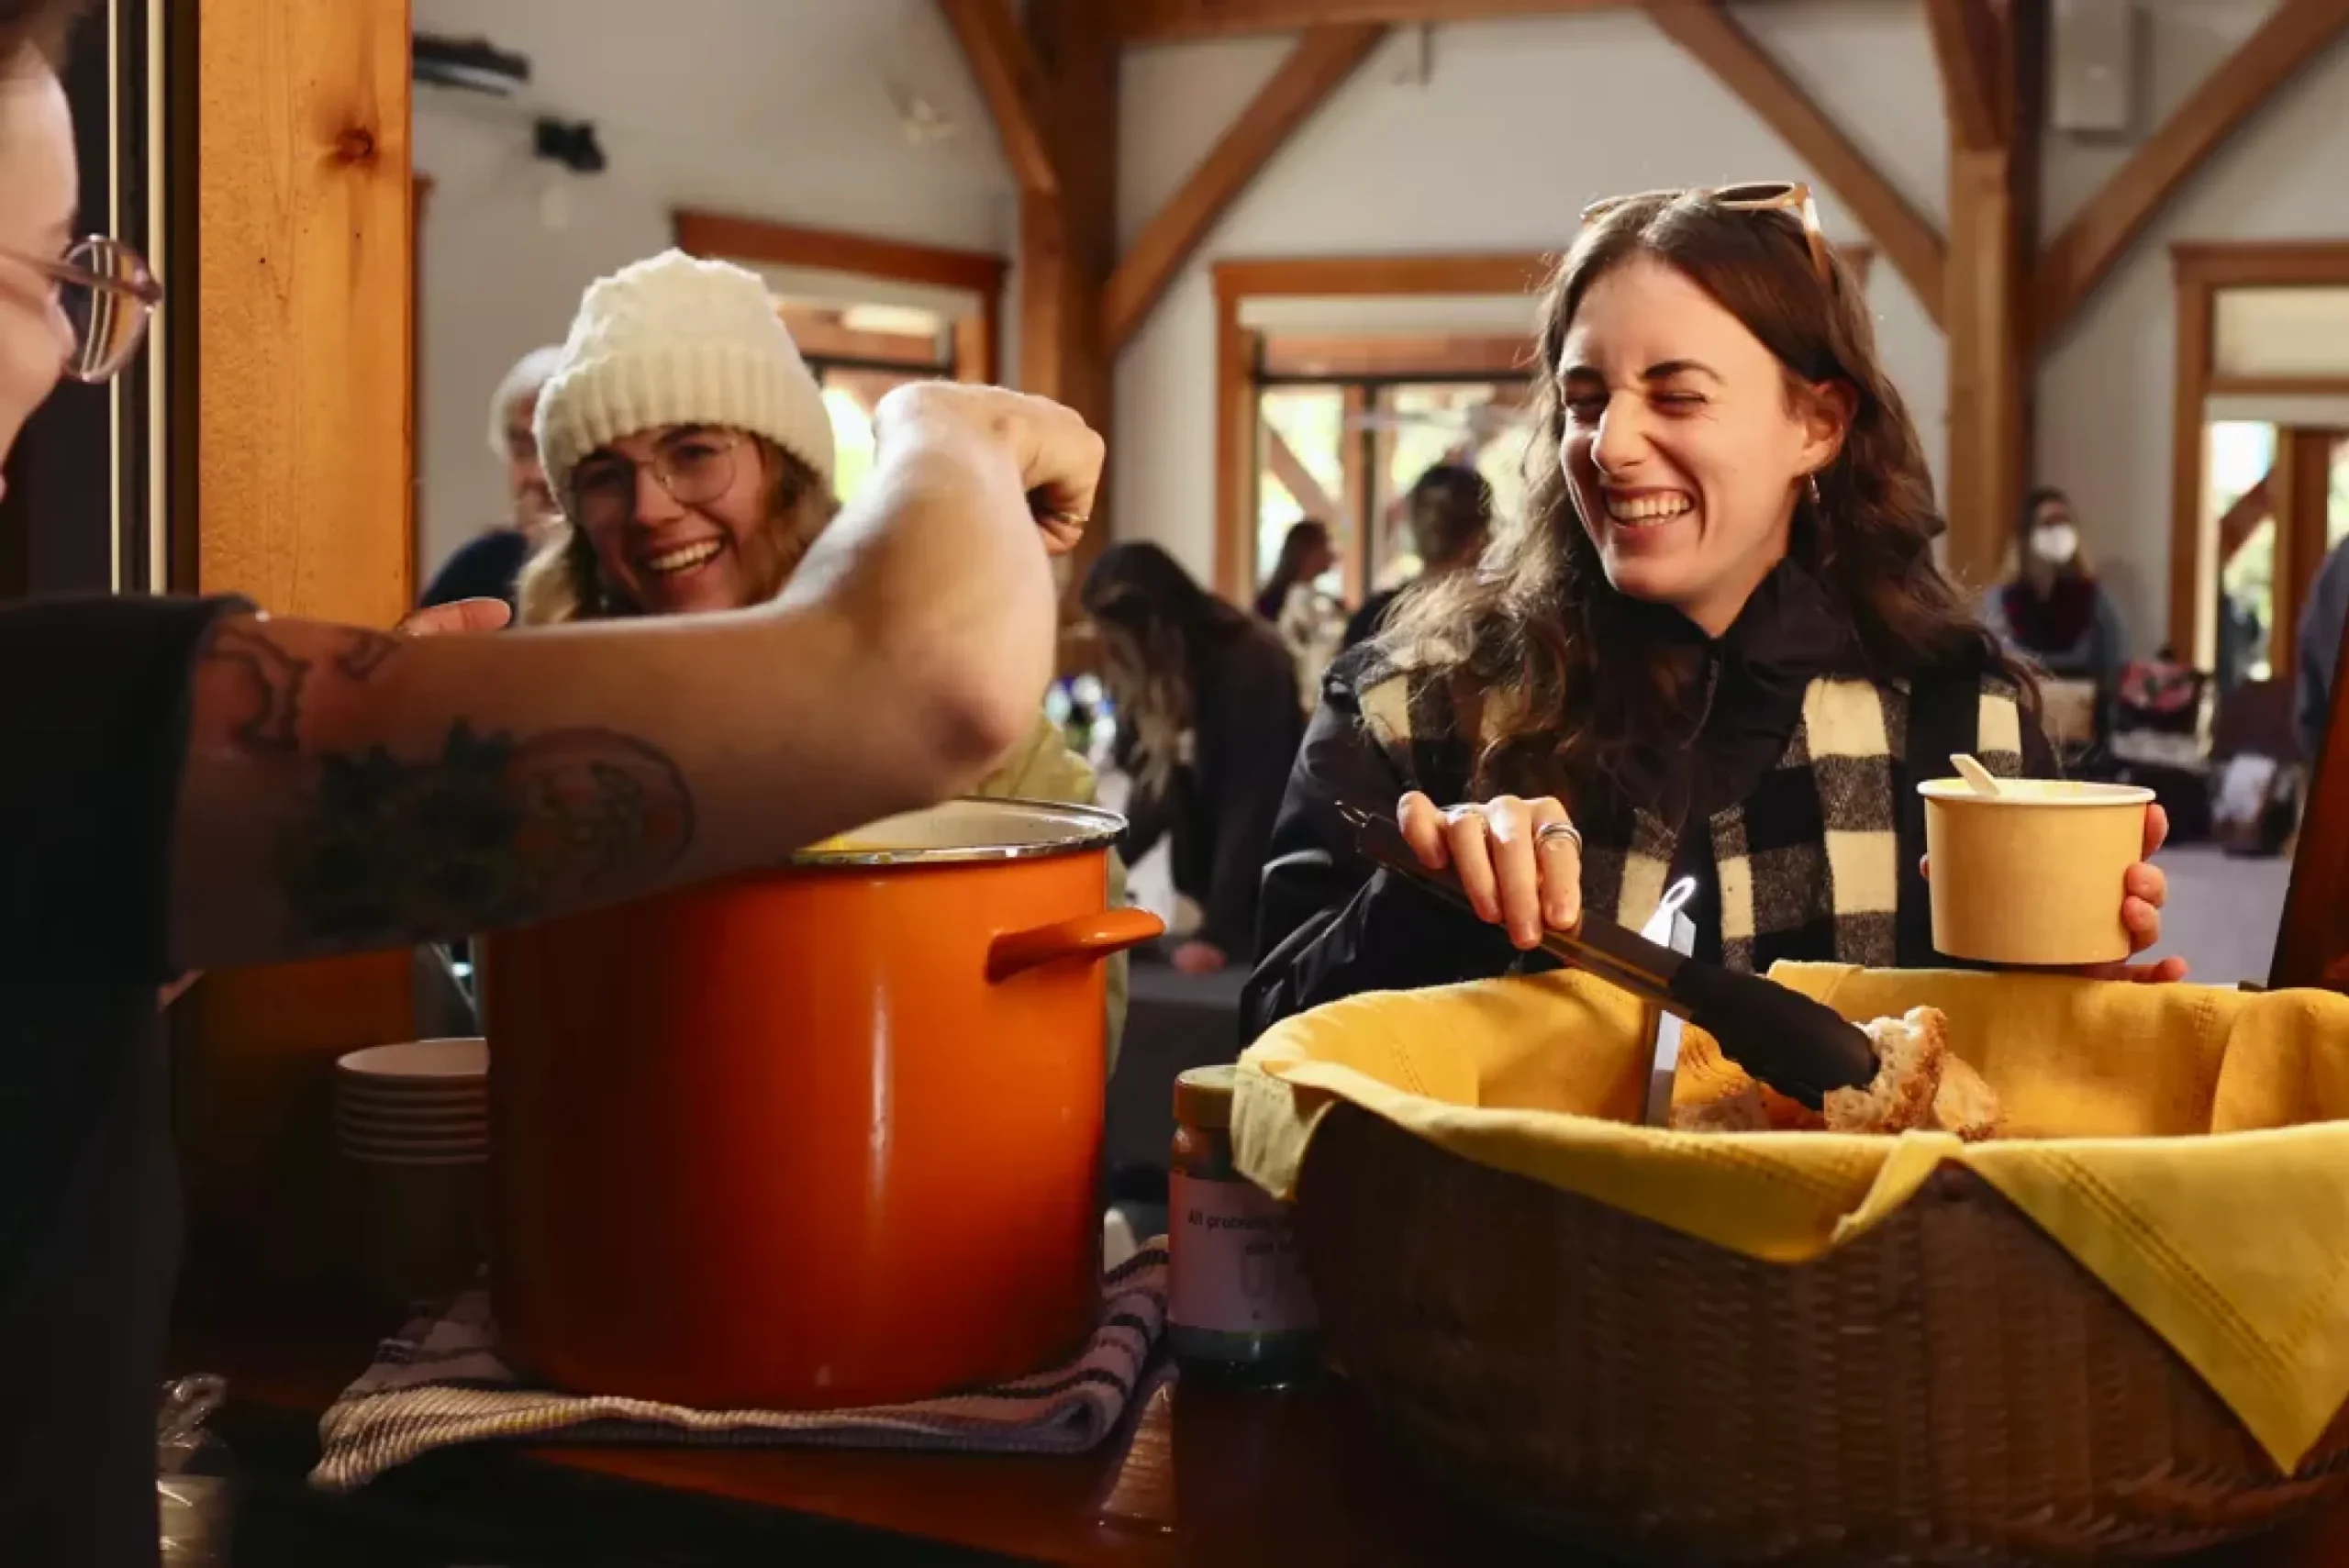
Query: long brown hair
[1154, 618]
[562, 582]
[1528, 626]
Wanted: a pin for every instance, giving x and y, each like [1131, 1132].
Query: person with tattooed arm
[193, 784]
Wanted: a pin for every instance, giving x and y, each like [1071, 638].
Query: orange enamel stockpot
[824, 1136]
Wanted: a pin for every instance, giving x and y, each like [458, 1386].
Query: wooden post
[2302, 485]
[1990, 74]
[295, 287]
[1068, 240]
[1236, 351]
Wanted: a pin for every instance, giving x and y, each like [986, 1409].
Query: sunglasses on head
[1763, 195]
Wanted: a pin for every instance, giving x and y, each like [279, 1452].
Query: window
[2242, 455]
[859, 353]
[868, 315]
[1348, 451]
[1345, 424]
[1302, 447]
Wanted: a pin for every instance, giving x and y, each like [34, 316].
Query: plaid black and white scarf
[1818, 863]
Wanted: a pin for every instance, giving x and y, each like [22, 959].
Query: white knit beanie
[676, 341]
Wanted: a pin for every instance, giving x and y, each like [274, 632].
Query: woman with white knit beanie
[686, 443]
[690, 451]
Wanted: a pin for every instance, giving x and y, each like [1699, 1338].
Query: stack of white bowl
[412, 1124]
[424, 1102]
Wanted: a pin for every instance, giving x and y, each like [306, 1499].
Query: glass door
[2242, 455]
[1346, 450]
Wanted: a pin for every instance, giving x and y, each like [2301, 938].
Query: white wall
[778, 109]
[1519, 123]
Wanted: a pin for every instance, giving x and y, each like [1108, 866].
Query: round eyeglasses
[106, 294]
[694, 466]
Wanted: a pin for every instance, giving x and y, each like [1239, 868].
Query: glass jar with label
[1239, 1308]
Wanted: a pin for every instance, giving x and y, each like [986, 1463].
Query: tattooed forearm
[378, 844]
[273, 679]
[495, 831]
[276, 679]
[366, 653]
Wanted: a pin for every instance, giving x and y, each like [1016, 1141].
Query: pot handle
[1085, 936]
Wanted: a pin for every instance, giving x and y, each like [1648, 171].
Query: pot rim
[1103, 830]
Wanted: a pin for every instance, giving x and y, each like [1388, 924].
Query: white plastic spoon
[1975, 776]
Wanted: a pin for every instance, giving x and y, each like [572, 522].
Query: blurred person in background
[2324, 619]
[489, 565]
[2053, 610]
[693, 456]
[1311, 624]
[170, 801]
[1208, 722]
[1306, 554]
[1449, 514]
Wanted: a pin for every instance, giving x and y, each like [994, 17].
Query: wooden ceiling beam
[1321, 64]
[1495, 271]
[1966, 48]
[2295, 34]
[1168, 21]
[1011, 79]
[1906, 240]
[728, 237]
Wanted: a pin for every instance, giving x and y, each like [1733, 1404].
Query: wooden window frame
[978, 340]
[1236, 349]
[2201, 271]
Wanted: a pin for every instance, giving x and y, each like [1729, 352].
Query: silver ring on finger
[1462, 813]
[1551, 832]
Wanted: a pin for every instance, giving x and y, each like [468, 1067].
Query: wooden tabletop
[1198, 1478]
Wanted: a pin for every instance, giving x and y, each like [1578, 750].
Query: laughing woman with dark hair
[1716, 647]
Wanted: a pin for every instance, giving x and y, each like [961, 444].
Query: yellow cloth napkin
[2234, 1248]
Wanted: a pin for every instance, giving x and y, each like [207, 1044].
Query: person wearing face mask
[1716, 647]
[488, 566]
[2053, 611]
[178, 795]
[691, 453]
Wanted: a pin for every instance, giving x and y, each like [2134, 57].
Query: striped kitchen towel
[439, 1382]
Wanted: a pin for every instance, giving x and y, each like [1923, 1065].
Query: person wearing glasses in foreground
[691, 455]
[1698, 655]
[180, 791]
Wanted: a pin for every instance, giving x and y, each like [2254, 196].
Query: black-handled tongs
[1799, 1047]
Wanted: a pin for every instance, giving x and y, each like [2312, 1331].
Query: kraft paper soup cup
[2032, 875]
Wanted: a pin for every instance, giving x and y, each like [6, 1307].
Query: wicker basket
[1948, 1388]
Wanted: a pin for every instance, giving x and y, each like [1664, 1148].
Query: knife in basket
[1799, 1047]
